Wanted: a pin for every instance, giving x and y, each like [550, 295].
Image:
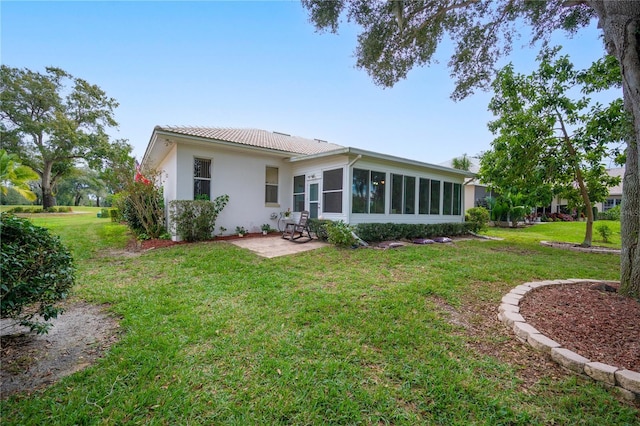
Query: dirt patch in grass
[79, 336]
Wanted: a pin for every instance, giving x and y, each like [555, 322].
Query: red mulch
[600, 325]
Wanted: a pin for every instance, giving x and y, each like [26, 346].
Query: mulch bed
[600, 325]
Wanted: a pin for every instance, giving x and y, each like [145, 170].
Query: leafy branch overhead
[397, 36]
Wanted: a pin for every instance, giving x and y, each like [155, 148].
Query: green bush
[143, 210]
[36, 269]
[115, 215]
[612, 214]
[195, 220]
[319, 228]
[340, 234]
[375, 232]
[479, 217]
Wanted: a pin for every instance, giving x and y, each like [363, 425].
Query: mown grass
[570, 232]
[212, 334]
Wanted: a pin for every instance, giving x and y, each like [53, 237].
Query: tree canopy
[549, 138]
[16, 176]
[52, 120]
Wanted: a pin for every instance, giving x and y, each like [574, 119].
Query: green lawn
[212, 334]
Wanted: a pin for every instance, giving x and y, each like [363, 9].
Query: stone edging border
[567, 246]
[627, 381]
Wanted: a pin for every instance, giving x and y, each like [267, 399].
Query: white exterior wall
[240, 175]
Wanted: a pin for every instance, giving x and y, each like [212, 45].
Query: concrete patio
[274, 245]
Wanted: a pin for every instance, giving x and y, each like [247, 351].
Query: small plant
[478, 217]
[222, 230]
[604, 231]
[266, 228]
[341, 234]
[287, 214]
[241, 231]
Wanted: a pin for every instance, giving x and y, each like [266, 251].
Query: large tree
[398, 35]
[52, 120]
[548, 135]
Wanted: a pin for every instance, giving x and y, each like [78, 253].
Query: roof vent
[320, 140]
[280, 133]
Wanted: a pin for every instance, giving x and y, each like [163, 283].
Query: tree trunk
[620, 22]
[48, 199]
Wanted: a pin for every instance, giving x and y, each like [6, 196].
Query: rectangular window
[201, 179]
[409, 195]
[360, 191]
[434, 201]
[377, 197]
[332, 191]
[423, 196]
[271, 185]
[447, 198]
[403, 194]
[367, 189]
[396, 194]
[298, 193]
[457, 198]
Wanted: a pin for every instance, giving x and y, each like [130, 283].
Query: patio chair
[294, 231]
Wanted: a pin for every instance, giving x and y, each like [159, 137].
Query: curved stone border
[568, 246]
[627, 381]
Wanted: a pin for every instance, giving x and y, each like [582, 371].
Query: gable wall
[241, 175]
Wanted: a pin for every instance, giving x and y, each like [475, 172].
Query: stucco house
[268, 173]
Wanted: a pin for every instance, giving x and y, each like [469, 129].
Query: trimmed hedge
[375, 232]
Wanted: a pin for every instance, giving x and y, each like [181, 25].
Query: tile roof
[257, 138]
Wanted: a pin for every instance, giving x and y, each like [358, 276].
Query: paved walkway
[274, 245]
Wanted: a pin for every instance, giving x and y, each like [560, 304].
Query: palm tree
[461, 163]
[15, 175]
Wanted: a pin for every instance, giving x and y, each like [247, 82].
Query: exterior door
[314, 203]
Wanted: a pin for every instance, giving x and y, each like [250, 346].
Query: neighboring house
[267, 173]
[475, 192]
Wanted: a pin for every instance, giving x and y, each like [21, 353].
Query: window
[332, 191]
[409, 195]
[360, 191]
[368, 189]
[298, 193]
[457, 198]
[271, 185]
[377, 197]
[424, 190]
[403, 194]
[434, 201]
[451, 200]
[447, 198]
[201, 179]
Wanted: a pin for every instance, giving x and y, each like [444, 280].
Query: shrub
[36, 269]
[604, 231]
[340, 234]
[374, 232]
[612, 214]
[143, 209]
[195, 220]
[478, 217]
[319, 228]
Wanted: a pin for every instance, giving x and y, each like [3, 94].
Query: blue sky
[253, 65]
